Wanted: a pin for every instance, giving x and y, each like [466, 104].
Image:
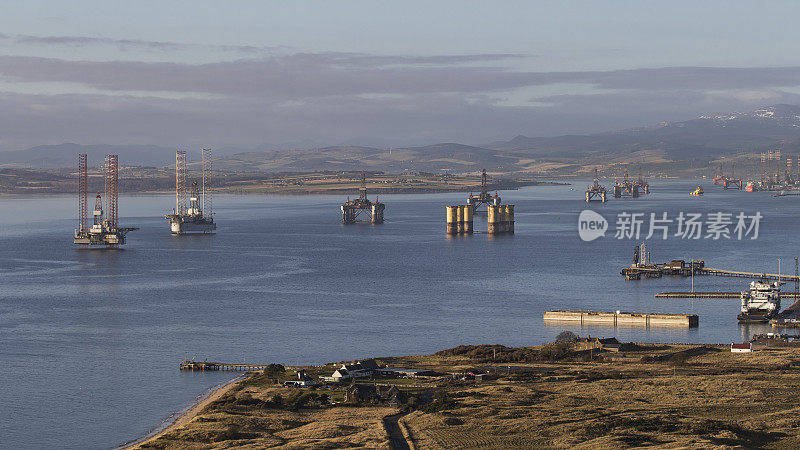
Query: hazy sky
[253, 73]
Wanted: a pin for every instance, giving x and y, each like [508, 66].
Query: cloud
[286, 77]
[412, 119]
[307, 75]
[335, 96]
[88, 41]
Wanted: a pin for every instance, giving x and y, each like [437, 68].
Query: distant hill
[705, 138]
[433, 158]
[66, 155]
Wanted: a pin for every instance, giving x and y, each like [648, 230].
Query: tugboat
[761, 303]
[697, 192]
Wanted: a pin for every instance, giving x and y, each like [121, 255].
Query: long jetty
[713, 294]
[234, 367]
[639, 271]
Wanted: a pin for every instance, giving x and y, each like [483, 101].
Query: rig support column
[467, 214]
[511, 218]
[347, 215]
[452, 221]
[377, 212]
[459, 219]
[492, 213]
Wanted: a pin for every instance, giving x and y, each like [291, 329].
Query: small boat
[761, 303]
[751, 187]
[697, 192]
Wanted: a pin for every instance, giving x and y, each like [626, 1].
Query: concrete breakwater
[619, 318]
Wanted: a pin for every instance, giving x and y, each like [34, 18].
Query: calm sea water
[90, 340]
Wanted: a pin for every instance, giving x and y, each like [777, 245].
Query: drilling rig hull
[188, 225]
[105, 230]
[196, 217]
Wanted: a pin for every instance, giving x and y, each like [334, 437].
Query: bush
[491, 353]
[441, 402]
[556, 350]
[566, 336]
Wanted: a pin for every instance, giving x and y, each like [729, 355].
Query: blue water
[90, 340]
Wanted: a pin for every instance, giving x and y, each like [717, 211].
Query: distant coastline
[136, 181]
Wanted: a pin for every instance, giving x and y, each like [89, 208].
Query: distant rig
[484, 198]
[198, 217]
[105, 229]
[361, 209]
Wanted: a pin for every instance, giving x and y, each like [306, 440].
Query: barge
[620, 318]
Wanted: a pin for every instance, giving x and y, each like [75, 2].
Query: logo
[591, 225]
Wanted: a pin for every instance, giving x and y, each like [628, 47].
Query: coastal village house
[302, 380]
[590, 343]
[360, 369]
[372, 394]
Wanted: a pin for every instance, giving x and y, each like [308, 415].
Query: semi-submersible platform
[361, 209]
[105, 229]
[198, 216]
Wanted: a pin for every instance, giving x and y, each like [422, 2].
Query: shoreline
[260, 190]
[184, 416]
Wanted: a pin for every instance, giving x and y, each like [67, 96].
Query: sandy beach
[189, 414]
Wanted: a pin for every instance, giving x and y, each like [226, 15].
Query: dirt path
[396, 438]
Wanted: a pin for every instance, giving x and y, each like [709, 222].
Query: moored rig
[361, 209]
[460, 219]
[105, 229]
[626, 188]
[484, 198]
[644, 186]
[198, 217]
[595, 192]
[728, 182]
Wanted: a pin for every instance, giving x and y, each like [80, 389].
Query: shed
[742, 348]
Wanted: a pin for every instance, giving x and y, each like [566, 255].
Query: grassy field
[652, 395]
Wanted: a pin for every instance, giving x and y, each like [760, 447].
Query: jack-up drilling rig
[105, 229]
[198, 218]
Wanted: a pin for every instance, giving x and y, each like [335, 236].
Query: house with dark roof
[373, 394]
[592, 343]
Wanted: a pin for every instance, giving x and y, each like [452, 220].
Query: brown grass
[637, 399]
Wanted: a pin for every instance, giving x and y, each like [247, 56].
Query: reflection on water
[84, 332]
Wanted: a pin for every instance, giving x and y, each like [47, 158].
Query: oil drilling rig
[475, 201]
[105, 229]
[644, 187]
[198, 216]
[626, 188]
[730, 182]
[595, 192]
[362, 210]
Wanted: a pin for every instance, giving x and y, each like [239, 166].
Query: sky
[282, 74]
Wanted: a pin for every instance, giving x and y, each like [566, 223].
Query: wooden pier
[233, 367]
